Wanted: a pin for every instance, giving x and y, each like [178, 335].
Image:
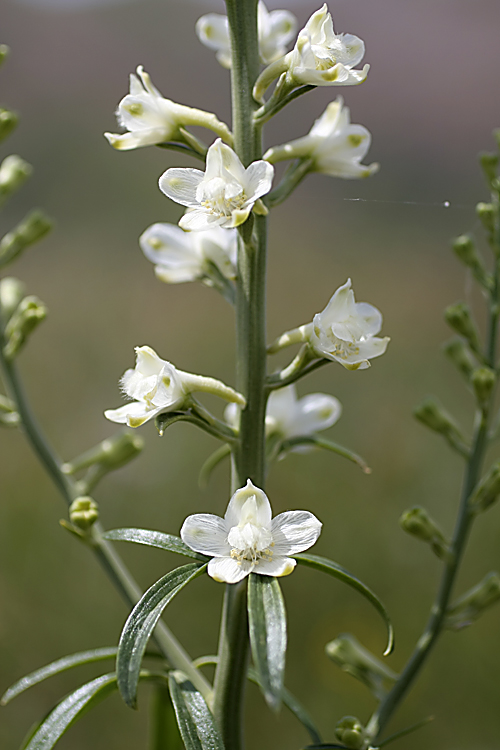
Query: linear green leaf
[330, 567]
[154, 539]
[141, 623]
[267, 627]
[320, 442]
[196, 723]
[69, 710]
[61, 665]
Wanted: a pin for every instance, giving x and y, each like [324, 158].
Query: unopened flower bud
[417, 522]
[32, 228]
[465, 249]
[83, 512]
[348, 653]
[13, 172]
[4, 51]
[472, 604]
[29, 313]
[8, 414]
[488, 489]
[461, 357]
[483, 381]
[459, 318]
[351, 732]
[489, 163]
[110, 454]
[11, 293]
[487, 213]
[432, 415]
[8, 121]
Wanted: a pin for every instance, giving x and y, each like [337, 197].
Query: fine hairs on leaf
[194, 719]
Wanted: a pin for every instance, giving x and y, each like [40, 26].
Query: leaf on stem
[267, 626]
[319, 442]
[156, 539]
[141, 623]
[194, 719]
[212, 461]
[330, 567]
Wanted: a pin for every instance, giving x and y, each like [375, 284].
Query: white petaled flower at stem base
[248, 540]
[157, 386]
[223, 195]
[275, 29]
[181, 256]
[150, 119]
[335, 146]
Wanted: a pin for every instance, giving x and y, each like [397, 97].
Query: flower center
[222, 198]
[250, 543]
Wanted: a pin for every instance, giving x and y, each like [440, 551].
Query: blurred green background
[431, 101]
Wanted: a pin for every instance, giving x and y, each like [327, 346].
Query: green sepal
[141, 623]
[194, 719]
[154, 539]
[267, 628]
[330, 567]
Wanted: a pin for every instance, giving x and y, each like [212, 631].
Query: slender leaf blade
[196, 723]
[55, 667]
[154, 539]
[141, 623]
[330, 567]
[267, 626]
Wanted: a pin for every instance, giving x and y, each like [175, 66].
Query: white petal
[137, 139]
[259, 178]
[179, 275]
[134, 414]
[339, 306]
[318, 411]
[199, 220]
[227, 570]
[213, 31]
[147, 361]
[161, 243]
[233, 514]
[206, 533]
[372, 318]
[281, 566]
[294, 531]
[181, 184]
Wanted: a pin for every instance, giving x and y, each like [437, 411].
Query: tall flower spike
[223, 195]
[186, 256]
[275, 28]
[334, 145]
[248, 540]
[150, 119]
[158, 386]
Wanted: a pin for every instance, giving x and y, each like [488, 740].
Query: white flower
[345, 331]
[335, 146]
[152, 119]
[275, 30]
[158, 386]
[321, 57]
[223, 195]
[247, 540]
[186, 256]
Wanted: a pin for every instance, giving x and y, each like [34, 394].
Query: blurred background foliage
[431, 101]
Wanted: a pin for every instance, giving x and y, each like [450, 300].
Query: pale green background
[431, 101]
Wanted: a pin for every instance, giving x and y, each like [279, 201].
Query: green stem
[248, 463]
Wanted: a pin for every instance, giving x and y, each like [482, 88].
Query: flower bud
[83, 512]
[473, 603]
[351, 732]
[433, 416]
[348, 653]
[11, 293]
[13, 172]
[8, 414]
[4, 51]
[461, 357]
[110, 454]
[417, 522]
[466, 251]
[489, 163]
[459, 318]
[31, 229]
[483, 381]
[487, 213]
[29, 313]
[488, 489]
[8, 121]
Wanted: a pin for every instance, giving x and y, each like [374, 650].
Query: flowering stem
[248, 460]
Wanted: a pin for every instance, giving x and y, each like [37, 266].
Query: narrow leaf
[164, 733]
[196, 723]
[404, 732]
[328, 566]
[212, 461]
[320, 442]
[141, 623]
[154, 539]
[61, 665]
[267, 626]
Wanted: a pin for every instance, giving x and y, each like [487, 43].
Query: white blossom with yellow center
[248, 540]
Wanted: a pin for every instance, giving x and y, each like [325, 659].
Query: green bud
[483, 381]
[466, 251]
[29, 313]
[471, 605]
[8, 121]
[417, 522]
[489, 163]
[14, 171]
[487, 213]
[11, 293]
[32, 228]
[4, 51]
[488, 489]
[351, 732]
[461, 357]
[432, 415]
[459, 318]
[110, 454]
[83, 512]
[8, 414]
[348, 653]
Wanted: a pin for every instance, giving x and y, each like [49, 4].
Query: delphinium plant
[221, 241]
